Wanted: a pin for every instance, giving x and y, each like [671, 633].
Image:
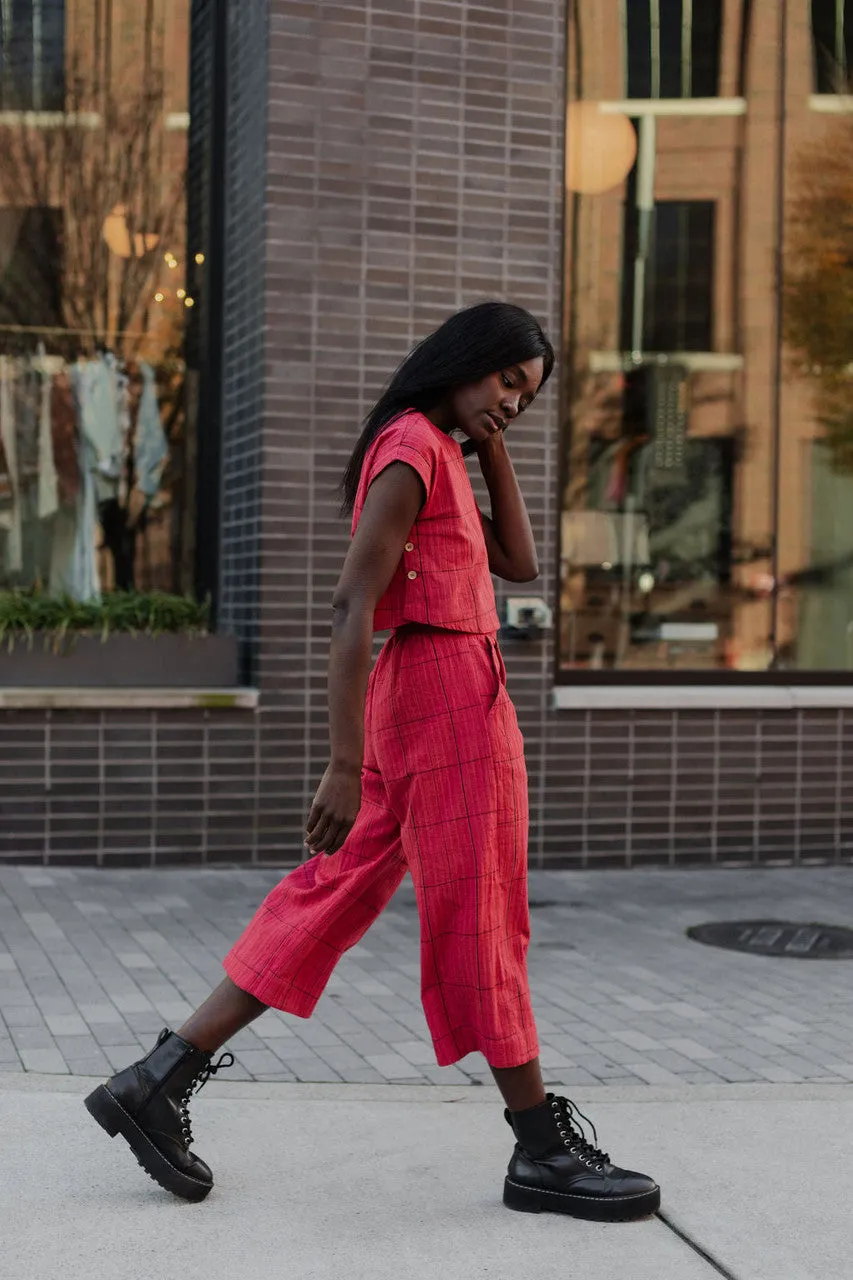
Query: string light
[189, 302]
[173, 262]
[182, 293]
[159, 297]
[199, 257]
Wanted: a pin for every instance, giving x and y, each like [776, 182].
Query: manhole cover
[778, 938]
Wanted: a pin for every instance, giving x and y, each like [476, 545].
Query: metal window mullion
[687, 49]
[623, 24]
[654, 43]
[840, 46]
[38, 56]
[5, 46]
[683, 275]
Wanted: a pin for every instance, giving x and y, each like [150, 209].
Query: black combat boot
[148, 1104]
[555, 1169]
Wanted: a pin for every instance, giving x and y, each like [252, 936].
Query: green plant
[23, 614]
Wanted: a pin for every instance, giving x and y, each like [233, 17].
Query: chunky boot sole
[113, 1118]
[598, 1209]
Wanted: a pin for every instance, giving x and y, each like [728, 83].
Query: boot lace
[198, 1082]
[570, 1122]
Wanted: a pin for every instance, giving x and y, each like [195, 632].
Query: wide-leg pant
[444, 796]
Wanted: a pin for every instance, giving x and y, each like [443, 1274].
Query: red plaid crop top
[443, 577]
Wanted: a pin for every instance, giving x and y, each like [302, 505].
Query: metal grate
[778, 938]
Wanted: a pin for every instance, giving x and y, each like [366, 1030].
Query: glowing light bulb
[199, 257]
[159, 297]
[182, 293]
[189, 302]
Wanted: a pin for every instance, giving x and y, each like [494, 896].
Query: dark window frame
[32, 55]
[832, 46]
[679, 298]
[672, 48]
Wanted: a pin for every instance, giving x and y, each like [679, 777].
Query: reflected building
[95, 290]
[704, 527]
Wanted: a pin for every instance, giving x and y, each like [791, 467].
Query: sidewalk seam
[697, 1248]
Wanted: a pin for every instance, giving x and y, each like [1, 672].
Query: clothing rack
[61, 331]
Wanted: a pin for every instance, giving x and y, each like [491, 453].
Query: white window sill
[693, 361]
[51, 119]
[688, 697]
[635, 107]
[831, 103]
[79, 699]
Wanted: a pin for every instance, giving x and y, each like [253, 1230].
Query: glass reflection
[707, 505]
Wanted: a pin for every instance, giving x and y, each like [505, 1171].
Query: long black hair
[466, 348]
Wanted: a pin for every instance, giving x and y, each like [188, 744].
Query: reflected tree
[819, 284]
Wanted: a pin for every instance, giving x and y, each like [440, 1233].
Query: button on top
[410, 546]
[412, 575]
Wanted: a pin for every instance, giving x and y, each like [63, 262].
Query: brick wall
[415, 166]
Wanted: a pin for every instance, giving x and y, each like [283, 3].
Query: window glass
[673, 48]
[98, 282]
[707, 496]
[832, 36]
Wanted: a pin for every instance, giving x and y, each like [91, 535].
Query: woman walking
[427, 775]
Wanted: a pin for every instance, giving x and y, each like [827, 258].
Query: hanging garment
[48, 479]
[74, 563]
[26, 400]
[152, 447]
[63, 427]
[97, 393]
[10, 519]
[7, 493]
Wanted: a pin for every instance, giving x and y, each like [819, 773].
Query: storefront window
[95, 297]
[707, 503]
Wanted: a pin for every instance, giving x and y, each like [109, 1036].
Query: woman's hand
[508, 535]
[335, 809]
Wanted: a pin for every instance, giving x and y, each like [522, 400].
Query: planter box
[122, 661]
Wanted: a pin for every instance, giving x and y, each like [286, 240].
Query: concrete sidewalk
[319, 1182]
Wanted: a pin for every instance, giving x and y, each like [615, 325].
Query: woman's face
[482, 409]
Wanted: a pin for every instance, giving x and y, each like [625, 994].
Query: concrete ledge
[692, 361]
[129, 699]
[688, 697]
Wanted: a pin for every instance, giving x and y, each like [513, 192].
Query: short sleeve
[410, 439]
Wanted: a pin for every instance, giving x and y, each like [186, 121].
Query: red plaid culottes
[444, 796]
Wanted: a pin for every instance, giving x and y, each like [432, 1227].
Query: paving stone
[66, 1024]
[341, 1059]
[96, 1065]
[24, 1015]
[392, 1066]
[100, 1014]
[122, 1055]
[258, 1062]
[122, 953]
[47, 1061]
[32, 1038]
